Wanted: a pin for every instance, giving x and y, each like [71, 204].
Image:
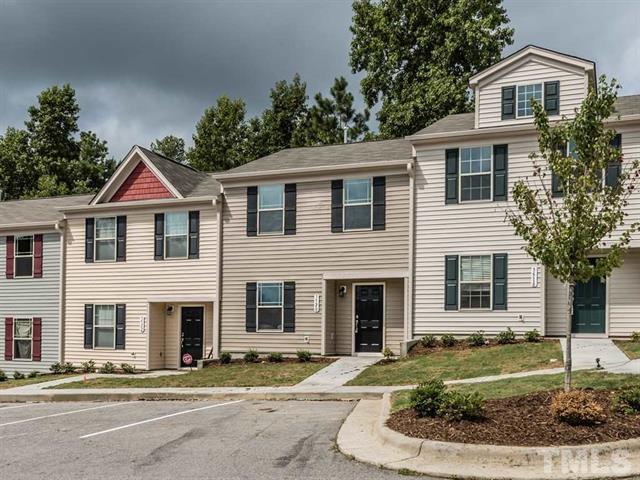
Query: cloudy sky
[146, 68]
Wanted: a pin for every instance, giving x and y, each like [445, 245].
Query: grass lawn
[631, 349]
[465, 363]
[522, 386]
[233, 375]
[11, 383]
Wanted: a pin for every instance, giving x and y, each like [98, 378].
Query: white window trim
[272, 209]
[22, 338]
[15, 256]
[115, 240]
[258, 307]
[490, 173]
[345, 205]
[516, 99]
[164, 253]
[115, 314]
[490, 281]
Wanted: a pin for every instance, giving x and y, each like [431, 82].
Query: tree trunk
[569, 322]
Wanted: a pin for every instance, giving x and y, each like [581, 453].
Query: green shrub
[456, 406]
[56, 368]
[33, 375]
[628, 401]
[448, 340]
[68, 367]
[252, 356]
[88, 367]
[275, 357]
[127, 368]
[477, 339]
[533, 336]
[387, 353]
[506, 337]
[577, 407]
[108, 367]
[17, 375]
[426, 398]
[429, 341]
[635, 337]
[225, 358]
[3, 376]
[304, 355]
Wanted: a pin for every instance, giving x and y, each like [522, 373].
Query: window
[525, 94]
[270, 309]
[105, 243]
[24, 256]
[22, 338]
[270, 209]
[475, 281]
[104, 326]
[176, 235]
[357, 204]
[475, 173]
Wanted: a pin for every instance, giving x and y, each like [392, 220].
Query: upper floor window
[475, 281]
[357, 204]
[104, 325]
[105, 243]
[24, 256]
[22, 338]
[270, 209]
[475, 173]
[525, 94]
[270, 306]
[176, 235]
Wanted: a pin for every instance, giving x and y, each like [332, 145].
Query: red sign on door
[187, 359]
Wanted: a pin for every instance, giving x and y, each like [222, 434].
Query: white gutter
[29, 226]
[217, 305]
[408, 317]
[136, 204]
[62, 231]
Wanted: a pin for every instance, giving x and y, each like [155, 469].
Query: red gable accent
[141, 184]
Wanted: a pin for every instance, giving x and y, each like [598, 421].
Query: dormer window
[525, 94]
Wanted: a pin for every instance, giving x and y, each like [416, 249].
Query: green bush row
[478, 339]
[432, 399]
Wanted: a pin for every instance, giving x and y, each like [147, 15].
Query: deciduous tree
[170, 146]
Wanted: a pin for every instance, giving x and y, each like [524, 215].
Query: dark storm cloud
[143, 69]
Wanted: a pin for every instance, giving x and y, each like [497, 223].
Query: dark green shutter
[158, 248]
[614, 168]
[552, 97]
[451, 175]
[451, 282]
[289, 307]
[252, 211]
[379, 207]
[250, 306]
[121, 321]
[508, 103]
[194, 234]
[336, 206]
[88, 239]
[500, 281]
[290, 201]
[556, 186]
[500, 171]
[121, 250]
[88, 326]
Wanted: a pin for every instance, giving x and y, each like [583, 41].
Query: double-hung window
[22, 338]
[475, 282]
[357, 204]
[525, 94]
[270, 209]
[104, 326]
[24, 256]
[105, 236]
[176, 235]
[270, 306]
[475, 173]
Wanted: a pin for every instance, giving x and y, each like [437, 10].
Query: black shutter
[121, 249]
[556, 185]
[336, 206]
[252, 211]
[500, 171]
[88, 239]
[251, 301]
[379, 206]
[614, 168]
[159, 237]
[194, 234]
[290, 194]
[88, 326]
[508, 103]
[451, 282]
[121, 320]
[451, 175]
[552, 97]
[500, 281]
[289, 306]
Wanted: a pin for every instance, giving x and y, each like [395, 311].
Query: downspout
[217, 304]
[408, 328]
[60, 227]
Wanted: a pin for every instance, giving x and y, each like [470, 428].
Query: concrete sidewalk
[585, 351]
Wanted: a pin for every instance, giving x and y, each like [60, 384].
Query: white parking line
[63, 413]
[20, 406]
[160, 418]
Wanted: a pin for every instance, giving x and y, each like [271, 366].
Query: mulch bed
[462, 344]
[520, 421]
[240, 361]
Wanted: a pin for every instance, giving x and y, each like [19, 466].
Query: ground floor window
[270, 306]
[475, 282]
[104, 326]
[22, 338]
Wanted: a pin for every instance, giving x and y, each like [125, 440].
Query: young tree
[418, 56]
[170, 146]
[563, 232]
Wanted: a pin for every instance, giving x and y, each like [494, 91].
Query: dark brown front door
[191, 336]
[369, 313]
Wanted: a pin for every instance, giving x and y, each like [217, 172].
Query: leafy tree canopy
[170, 146]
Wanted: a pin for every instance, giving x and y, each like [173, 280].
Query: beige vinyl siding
[135, 282]
[556, 300]
[303, 258]
[331, 297]
[471, 228]
[572, 89]
[157, 336]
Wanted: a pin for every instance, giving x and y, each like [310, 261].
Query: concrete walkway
[338, 373]
[585, 351]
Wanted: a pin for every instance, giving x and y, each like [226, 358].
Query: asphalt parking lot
[216, 440]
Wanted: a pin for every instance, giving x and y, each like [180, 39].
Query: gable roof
[38, 210]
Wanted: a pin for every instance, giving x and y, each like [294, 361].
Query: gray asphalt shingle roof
[38, 210]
